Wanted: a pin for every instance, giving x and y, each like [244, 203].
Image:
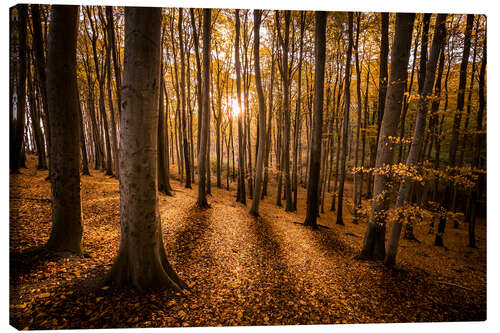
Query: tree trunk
[114, 135]
[40, 69]
[319, 82]
[416, 145]
[384, 52]
[240, 192]
[203, 153]
[62, 96]
[254, 210]
[478, 145]
[141, 260]
[345, 134]
[355, 194]
[286, 107]
[83, 146]
[456, 126]
[185, 144]
[374, 239]
[17, 84]
[406, 101]
[296, 138]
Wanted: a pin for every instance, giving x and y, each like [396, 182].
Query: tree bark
[141, 260]
[345, 134]
[40, 71]
[240, 192]
[203, 153]
[17, 84]
[416, 145]
[456, 126]
[62, 96]
[315, 155]
[374, 239]
[286, 107]
[185, 144]
[355, 192]
[254, 210]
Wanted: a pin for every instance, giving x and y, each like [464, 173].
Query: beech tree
[203, 152]
[17, 85]
[345, 133]
[319, 80]
[417, 142]
[141, 260]
[262, 116]
[64, 151]
[374, 239]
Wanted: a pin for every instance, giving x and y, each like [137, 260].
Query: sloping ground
[242, 270]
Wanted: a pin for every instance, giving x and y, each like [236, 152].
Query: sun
[235, 108]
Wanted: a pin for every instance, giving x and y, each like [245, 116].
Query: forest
[234, 167]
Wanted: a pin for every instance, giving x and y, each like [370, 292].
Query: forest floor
[241, 270]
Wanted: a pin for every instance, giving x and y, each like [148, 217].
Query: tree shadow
[274, 285]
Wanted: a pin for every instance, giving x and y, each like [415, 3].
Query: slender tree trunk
[17, 85]
[355, 194]
[383, 75]
[297, 114]
[185, 144]
[83, 146]
[35, 111]
[286, 107]
[345, 134]
[114, 135]
[406, 101]
[456, 126]
[319, 81]
[240, 192]
[40, 70]
[478, 145]
[254, 210]
[203, 153]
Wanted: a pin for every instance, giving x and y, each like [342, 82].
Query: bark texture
[62, 95]
[374, 239]
[315, 154]
[141, 261]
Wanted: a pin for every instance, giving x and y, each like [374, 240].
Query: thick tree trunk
[254, 210]
[416, 145]
[62, 95]
[374, 239]
[319, 81]
[141, 260]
